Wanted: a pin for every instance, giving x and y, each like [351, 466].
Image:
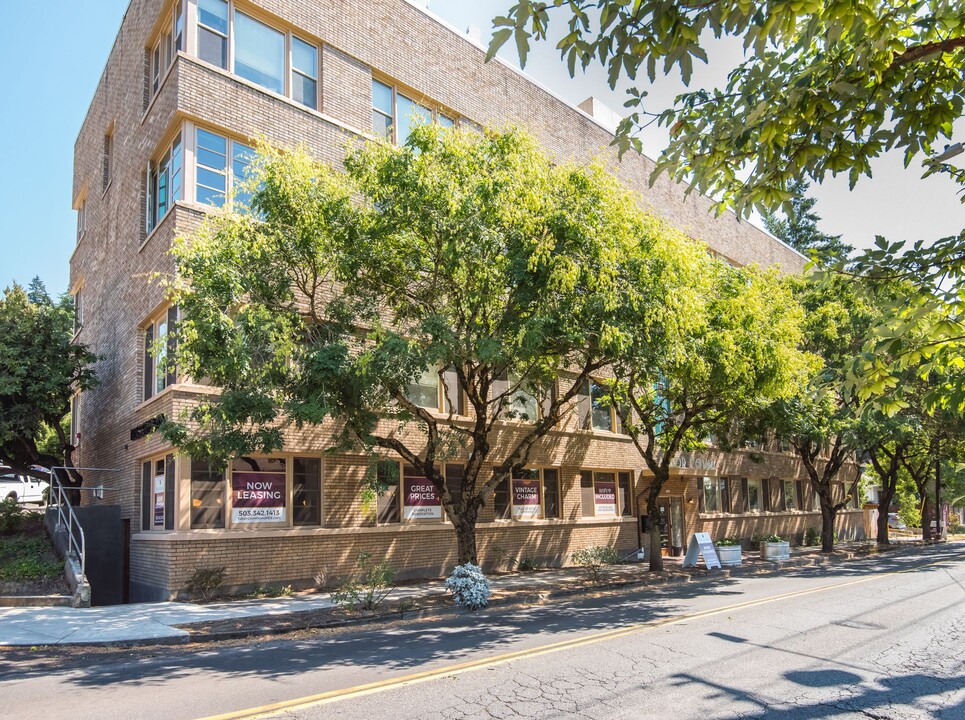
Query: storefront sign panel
[420, 499]
[258, 497]
[526, 504]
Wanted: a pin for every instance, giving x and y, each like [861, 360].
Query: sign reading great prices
[605, 497]
[258, 497]
[420, 499]
[526, 504]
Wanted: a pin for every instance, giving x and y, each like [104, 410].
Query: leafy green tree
[824, 88]
[799, 227]
[463, 259]
[40, 370]
[726, 346]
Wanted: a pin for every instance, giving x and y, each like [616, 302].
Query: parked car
[895, 522]
[22, 488]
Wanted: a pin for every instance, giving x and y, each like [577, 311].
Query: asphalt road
[878, 638]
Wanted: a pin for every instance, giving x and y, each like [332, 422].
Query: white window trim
[410, 95]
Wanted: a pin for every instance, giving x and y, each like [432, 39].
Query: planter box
[729, 555]
[775, 551]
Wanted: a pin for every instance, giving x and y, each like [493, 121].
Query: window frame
[440, 400]
[411, 95]
[232, 181]
[509, 514]
[221, 523]
[397, 507]
[150, 333]
[164, 165]
[163, 51]
[149, 491]
[747, 495]
[721, 484]
[619, 504]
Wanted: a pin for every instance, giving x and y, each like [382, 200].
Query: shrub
[772, 538]
[273, 591]
[502, 556]
[11, 517]
[593, 559]
[728, 542]
[469, 586]
[529, 565]
[812, 536]
[369, 588]
[206, 582]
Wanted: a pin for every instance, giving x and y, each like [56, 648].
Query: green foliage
[799, 227]
[11, 516]
[529, 565]
[594, 559]
[772, 539]
[909, 504]
[812, 536]
[40, 369]
[206, 583]
[369, 588]
[728, 542]
[273, 591]
[28, 558]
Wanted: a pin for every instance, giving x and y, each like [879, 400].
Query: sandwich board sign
[701, 544]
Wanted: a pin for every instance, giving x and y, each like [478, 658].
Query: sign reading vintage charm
[526, 502]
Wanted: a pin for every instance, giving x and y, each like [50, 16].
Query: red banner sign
[420, 499]
[605, 497]
[526, 499]
[258, 497]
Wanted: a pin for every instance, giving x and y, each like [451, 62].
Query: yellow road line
[331, 696]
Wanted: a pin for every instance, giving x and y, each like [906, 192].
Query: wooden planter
[775, 550]
[729, 555]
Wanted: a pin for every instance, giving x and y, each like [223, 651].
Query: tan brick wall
[120, 268]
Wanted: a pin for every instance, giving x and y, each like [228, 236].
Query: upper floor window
[594, 408]
[271, 58]
[159, 346]
[395, 115]
[213, 32]
[81, 218]
[165, 180]
[424, 392]
[78, 309]
[108, 157]
[167, 46]
[215, 173]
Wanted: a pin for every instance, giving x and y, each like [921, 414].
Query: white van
[22, 488]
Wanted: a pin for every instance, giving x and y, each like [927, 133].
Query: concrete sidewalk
[145, 622]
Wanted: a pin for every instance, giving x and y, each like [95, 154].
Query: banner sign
[702, 545]
[420, 499]
[526, 504]
[605, 497]
[159, 500]
[258, 497]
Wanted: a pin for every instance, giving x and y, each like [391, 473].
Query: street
[876, 638]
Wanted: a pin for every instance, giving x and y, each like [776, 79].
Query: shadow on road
[402, 648]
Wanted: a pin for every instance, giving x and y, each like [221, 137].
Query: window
[424, 392]
[753, 495]
[713, 495]
[108, 157]
[157, 494]
[387, 477]
[78, 309]
[75, 420]
[304, 73]
[405, 494]
[593, 408]
[259, 53]
[214, 174]
[523, 404]
[207, 496]
[81, 219]
[213, 32]
[395, 115]
[528, 494]
[626, 500]
[259, 490]
[790, 495]
[307, 491]
[599, 494]
[159, 344]
[165, 183]
[167, 46]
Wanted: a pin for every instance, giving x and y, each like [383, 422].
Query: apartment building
[188, 88]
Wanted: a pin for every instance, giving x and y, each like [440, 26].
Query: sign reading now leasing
[701, 546]
[420, 499]
[258, 497]
[605, 497]
[526, 504]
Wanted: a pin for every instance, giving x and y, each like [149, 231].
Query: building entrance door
[671, 526]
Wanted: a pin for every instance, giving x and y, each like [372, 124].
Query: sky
[49, 90]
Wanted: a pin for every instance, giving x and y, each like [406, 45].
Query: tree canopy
[40, 370]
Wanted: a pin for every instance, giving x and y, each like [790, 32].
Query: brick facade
[120, 267]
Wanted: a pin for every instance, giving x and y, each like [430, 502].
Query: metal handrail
[67, 518]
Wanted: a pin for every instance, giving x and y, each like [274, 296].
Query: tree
[727, 344]
[799, 227]
[821, 419]
[825, 87]
[462, 260]
[40, 370]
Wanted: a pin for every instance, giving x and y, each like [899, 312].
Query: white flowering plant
[469, 586]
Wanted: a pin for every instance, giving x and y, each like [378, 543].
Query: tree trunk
[884, 505]
[465, 524]
[653, 521]
[926, 518]
[827, 523]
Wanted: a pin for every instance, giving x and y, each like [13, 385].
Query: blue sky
[48, 88]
